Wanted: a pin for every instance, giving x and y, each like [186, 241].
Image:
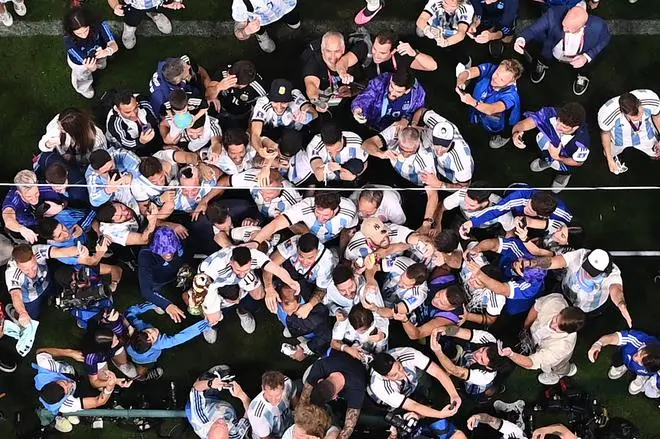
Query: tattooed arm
[350, 421]
[483, 418]
[306, 393]
[546, 262]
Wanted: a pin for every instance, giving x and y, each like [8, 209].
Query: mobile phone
[114, 174]
[452, 405]
[523, 222]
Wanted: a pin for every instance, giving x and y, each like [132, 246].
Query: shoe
[6, 19]
[539, 72]
[637, 385]
[364, 16]
[128, 36]
[158, 310]
[294, 26]
[517, 407]
[497, 141]
[247, 322]
[632, 2]
[286, 333]
[11, 312]
[266, 43]
[127, 369]
[161, 21]
[560, 182]
[539, 165]
[153, 374]
[548, 379]
[80, 324]
[7, 366]
[63, 425]
[20, 8]
[617, 372]
[288, 349]
[74, 420]
[88, 94]
[496, 48]
[210, 335]
[572, 370]
[580, 85]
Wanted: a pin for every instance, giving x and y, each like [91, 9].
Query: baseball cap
[597, 262]
[355, 166]
[280, 91]
[443, 134]
[374, 229]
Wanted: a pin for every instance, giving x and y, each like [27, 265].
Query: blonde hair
[25, 178]
[313, 419]
[514, 66]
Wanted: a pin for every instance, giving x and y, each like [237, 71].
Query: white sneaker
[497, 141]
[6, 19]
[560, 182]
[617, 372]
[637, 385]
[128, 36]
[163, 23]
[63, 425]
[74, 420]
[572, 370]
[548, 379]
[247, 322]
[266, 43]
[89, 94]
[20, 8]
[294, 26]
[288, 349]
[210, 335]
[632, 2]
[286, 333]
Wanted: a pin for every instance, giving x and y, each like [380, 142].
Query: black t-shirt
[313, 65]
[396, 62]
[355, 376]
[239, 101]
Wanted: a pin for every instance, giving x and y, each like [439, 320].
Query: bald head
[575, 19]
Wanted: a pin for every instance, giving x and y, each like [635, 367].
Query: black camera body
[85, 288]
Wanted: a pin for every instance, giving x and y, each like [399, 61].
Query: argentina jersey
[269, 207]
[184, 202]
[304, 212]
[351, 149]
[321, 272]
[268, 420]
[264, 112]
[205, 408]
[446, 22]
[414, 165]
[218, 266]
[358, 247]
[30, 289]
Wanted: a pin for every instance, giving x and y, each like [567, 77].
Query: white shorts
[647, 148]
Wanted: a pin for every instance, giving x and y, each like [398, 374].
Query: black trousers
[133, 17]
[291, 18]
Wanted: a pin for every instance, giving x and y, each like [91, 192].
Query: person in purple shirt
[19, 208]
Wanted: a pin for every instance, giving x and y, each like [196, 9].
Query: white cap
[443, 134]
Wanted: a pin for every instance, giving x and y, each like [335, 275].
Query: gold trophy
[197, 293]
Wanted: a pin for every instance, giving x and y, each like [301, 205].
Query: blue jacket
[154, 273]
[160, 89]
[580, 139]
[549, 31]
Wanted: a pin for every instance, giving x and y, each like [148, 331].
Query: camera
[81, 288]
[405, 427]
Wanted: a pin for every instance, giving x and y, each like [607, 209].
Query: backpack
[362, 35]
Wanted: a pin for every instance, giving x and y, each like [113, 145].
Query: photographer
[396, 376]
[207, 411]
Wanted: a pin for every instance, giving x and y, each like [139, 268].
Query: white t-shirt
[394, 393]
[584, 296]
[269, 420]
[390, 209]
[321, 273]
[345, 218]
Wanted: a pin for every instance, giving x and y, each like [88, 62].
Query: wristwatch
[431, 221]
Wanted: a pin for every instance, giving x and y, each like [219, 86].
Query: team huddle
[346, 207]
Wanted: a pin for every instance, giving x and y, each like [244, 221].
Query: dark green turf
[35, 84]
[329, 9]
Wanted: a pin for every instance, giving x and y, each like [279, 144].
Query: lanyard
[632, 125]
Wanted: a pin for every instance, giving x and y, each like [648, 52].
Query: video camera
[81, 287]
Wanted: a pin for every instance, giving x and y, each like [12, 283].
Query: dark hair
[235, 136]
[150, 166]
[230, 292]
[199, 123]
[360, 317]
[572, 319]
[478, 194]
[330, 133]
[322, 392]
[417, 272]
[383, 363]
[403, 78]
[105, 212]
[629, 104]
[272, 379]
[140, 342]
[651, 360]
[99, 158]
[244, 70]
[342, 273]
[572, 114]
[446, 241]
[76, 18]
[122, 97]
[178, 99]
[455, 295]
[543, 203]
[80, 126]
[493, 272]
[22, 253]
[56, 173]
[387, 37]
[241, 255]
[290, 142]
[52, 392]
[216, 213]
[307, 243]
[46, 227]
[327, 200]
[497, 362]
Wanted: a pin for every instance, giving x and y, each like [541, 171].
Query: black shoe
[496, 48]
[7, 366]
[539, 72]
[580, 85]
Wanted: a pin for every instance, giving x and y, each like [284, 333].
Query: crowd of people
[227, 194]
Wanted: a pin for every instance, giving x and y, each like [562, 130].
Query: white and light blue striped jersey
[335, 301]
[272, 207]
[393, 292]
[411, 167]
[480, 300]
[267, 11]
[352, 149]
[263, 111]
[188, 204]
[390, 209]
[205, 408]
[143, 190]
[217, 266]
[345, 332]
[31, 289]
[268, 420]
[622, 131]
[212, 130]
[456, 165]
[144, 5]
[359, 247]
[304, 212]
[394, 393]
[326, 260]
[125, 162]
[46, 361]
[448, 23]
[227, 165]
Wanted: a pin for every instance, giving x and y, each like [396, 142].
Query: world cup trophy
[197, 293]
